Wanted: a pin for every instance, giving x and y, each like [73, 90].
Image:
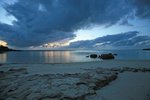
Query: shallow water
[68, 56]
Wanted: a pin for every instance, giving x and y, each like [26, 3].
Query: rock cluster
[93, 56]
[103, 56]
[107, 56]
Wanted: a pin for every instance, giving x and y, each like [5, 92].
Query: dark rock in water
[146, 49]
[115, 54]
[93, 56]
[99, 56]
[87, 56]
[107, 56]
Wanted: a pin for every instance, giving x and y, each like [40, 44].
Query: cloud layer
[42, 21]
[127, 39]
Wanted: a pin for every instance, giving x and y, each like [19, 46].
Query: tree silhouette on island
[5, 48]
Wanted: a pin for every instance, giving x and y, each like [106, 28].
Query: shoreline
[79, 81]
[96, 61]
[76, 67]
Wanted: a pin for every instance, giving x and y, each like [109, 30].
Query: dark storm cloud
[127, 39]
[43, 21]
[142, 8]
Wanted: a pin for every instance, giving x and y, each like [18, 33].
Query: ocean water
[68, 56]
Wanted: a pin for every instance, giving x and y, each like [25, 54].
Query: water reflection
[57, 56]
[67, 56]
[41, 57]
[3, 57]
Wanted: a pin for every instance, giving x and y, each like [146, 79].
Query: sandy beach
[103, 80]
[74, 49]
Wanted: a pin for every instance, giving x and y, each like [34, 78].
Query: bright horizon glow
[3, 43]
[56, 44]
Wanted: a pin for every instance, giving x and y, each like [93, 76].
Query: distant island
[146, 49]
[4, 48]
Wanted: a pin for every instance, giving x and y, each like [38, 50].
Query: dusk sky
[75, 23]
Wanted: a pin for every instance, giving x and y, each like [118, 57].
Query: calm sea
[68, 56]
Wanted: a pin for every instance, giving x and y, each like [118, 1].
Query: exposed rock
[17, 70]
[106, 81]
[87, 56]
[146, 49]
[107, 56]
[129, 69]
[115, 54]
[81, 83]
[93, 56]
[57, 86]
[2, 74]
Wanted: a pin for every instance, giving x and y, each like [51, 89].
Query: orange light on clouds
[56, 44]
[3, 43]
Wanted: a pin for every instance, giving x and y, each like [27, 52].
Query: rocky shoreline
[16, 84]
